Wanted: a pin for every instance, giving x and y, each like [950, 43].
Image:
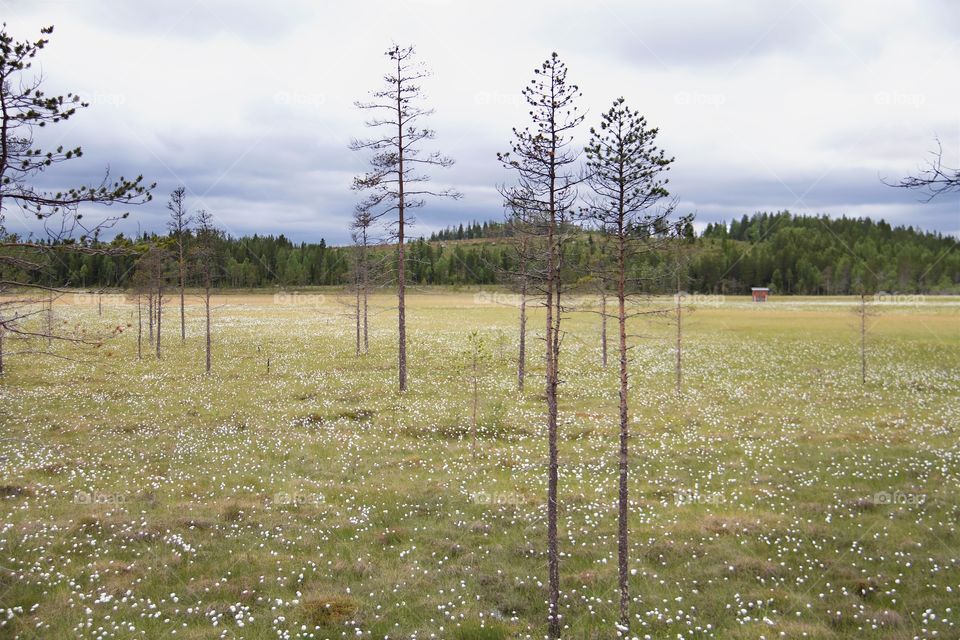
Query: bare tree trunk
[476, 405]
[366, 333]
[365, 277]
[401, 267]
[159, 317]
[357, 316]
[624, 461]
[207, 309]
[863, 339]
[679, 351]
[139, 329]
[402, 314]
[49, 318]
[1, 351]
[150, 309]
[183, 319]
[553, 556]
[522, 357]
[100, 304]
[603, 325]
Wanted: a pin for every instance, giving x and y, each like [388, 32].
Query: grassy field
[777, 498]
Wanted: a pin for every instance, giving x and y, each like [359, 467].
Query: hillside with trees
[791, 254]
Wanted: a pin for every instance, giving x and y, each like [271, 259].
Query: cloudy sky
[803, 105]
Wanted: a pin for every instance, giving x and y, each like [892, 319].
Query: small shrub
[320, 610]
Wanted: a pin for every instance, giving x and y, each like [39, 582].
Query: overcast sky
[767, 105]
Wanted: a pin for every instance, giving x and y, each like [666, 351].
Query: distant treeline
[789, 253]
[792, 254]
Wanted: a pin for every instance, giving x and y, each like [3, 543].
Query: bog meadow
[778, 496]
[589, 411]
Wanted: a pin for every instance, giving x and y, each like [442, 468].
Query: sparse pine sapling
[396, 182]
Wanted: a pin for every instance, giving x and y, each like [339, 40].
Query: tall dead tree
[678, 351]
[158, 288]
[681, 247]
[543, 160]
[48, 317]
[139, 327]
[141, 287]
[179, 228]
[524, 247]
[357, 315]
[598, 283]
[626, 173]
[150, 313]
[24, 108]
[864, 312]
[155, 264]
[204, 256]
[517, 229]
[603, 326]
[361, 229]
[396, 181]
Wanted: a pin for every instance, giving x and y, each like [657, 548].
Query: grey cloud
[255, 121]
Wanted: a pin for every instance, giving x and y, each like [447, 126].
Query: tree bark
[679, 349]
[357, 316]
[401, 267]
[207, 309]
[366, 334]
[139, 329]
[159, 317]
[863, 339]
[522, 357]
[183, 320]
[552, 375]
[49, 318]
[150, 310]
[476, 406]
[624, 461]
[603, 326]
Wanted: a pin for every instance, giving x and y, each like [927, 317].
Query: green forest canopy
[791, 254]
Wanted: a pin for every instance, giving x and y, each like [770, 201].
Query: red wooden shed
[760, 293]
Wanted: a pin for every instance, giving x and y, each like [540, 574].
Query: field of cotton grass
[778, 497]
